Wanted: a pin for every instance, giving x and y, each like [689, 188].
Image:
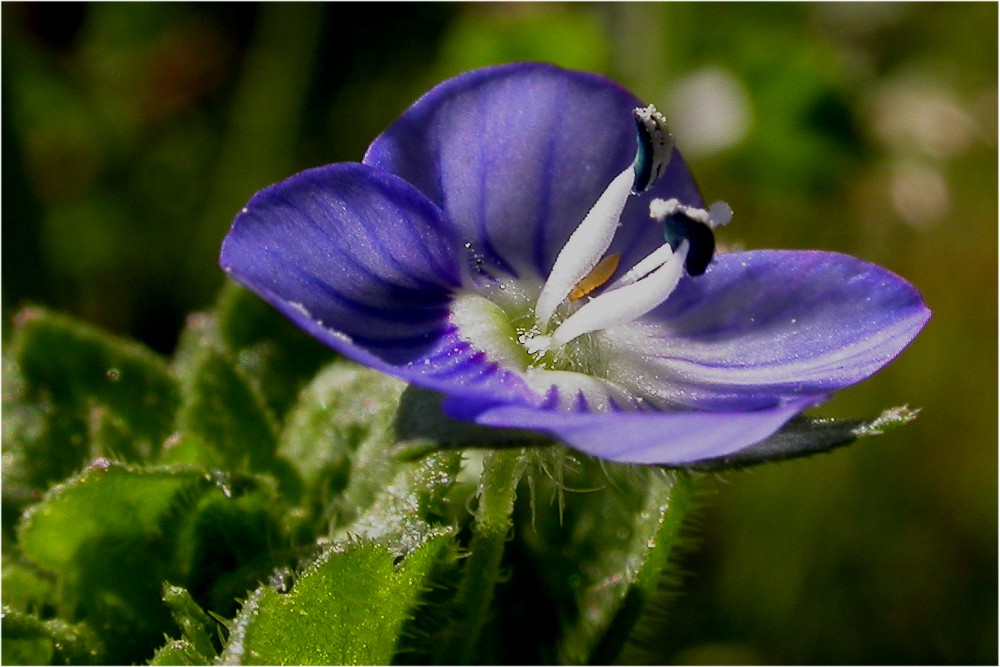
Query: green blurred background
[132, 133]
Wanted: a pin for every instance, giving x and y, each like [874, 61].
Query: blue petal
[665, 438]
[365, 263]
[506, 162]
[517, 154]
[764, 326]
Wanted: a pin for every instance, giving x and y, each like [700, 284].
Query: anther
[601, 274]
[655, 146]
[624, 304]
[579, 269]
[691, 224]
[585, 247]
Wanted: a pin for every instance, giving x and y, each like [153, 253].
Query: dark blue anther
[643, 165]
[679, 226]
[653, 147]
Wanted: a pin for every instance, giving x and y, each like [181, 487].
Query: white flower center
[550, 332]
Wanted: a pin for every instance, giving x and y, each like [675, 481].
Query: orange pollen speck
[598, 276]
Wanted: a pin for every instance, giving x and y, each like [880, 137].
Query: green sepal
[596, 542]
[178, 652]
[420, 425]
[197, 627]
[472, 606]
[347, 608]
[804, 436]
[618, 586]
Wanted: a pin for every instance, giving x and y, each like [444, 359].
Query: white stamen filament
[648, 264]
[647, 284]
[626, 303]
[585, 247]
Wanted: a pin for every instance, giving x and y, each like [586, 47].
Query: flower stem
[502, 469]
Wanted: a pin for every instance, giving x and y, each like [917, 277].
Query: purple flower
[463, 256]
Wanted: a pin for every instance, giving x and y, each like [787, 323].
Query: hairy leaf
[347, 608]
[276, 355]
[338, 437]
[223, 422]
[64, 378]
[178, 652]
[28, 640]
[112, 535]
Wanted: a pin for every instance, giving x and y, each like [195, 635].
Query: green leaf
[223, 422]
[110, 437]
[804, 436]
[382, 510]
[111, 536]
[59, 371]
[106, 499]
[99, 535]
[73, 361]
[28, 640]
[201, 330]
[229, 540]
[278, 356]
[339, 438]
[25, 588]
[348, 608]
[402, 516]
